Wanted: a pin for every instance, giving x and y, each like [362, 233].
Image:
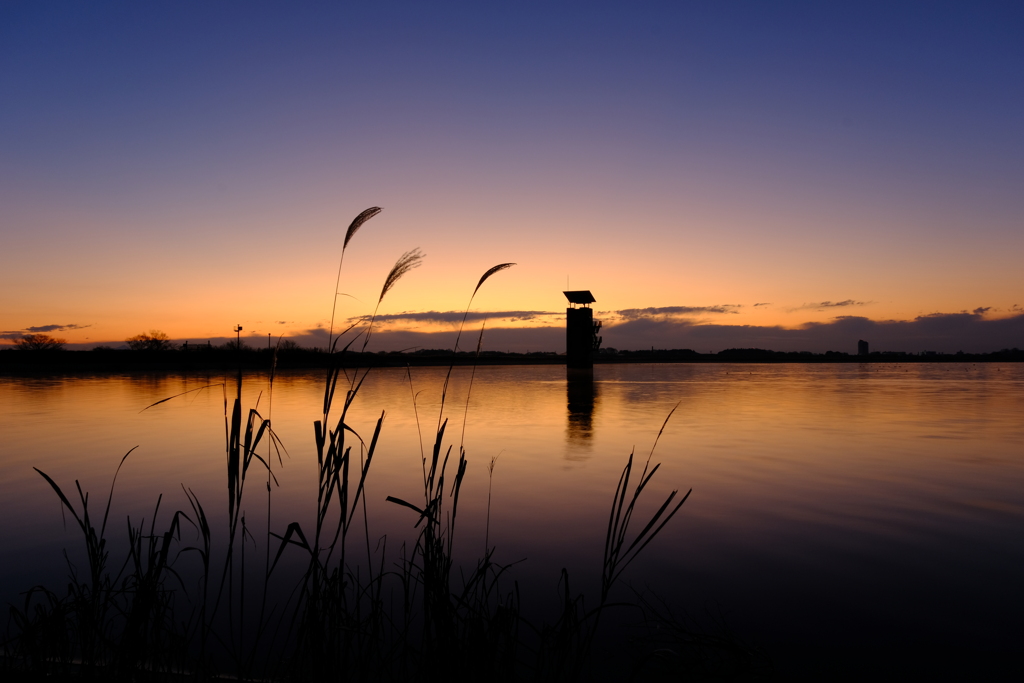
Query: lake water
[843, 517]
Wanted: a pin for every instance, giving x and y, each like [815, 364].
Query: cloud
[665, 311]
[37, 329]
[830, 304]
[762, 304]
[982, 310]
[315, 336]
[455, 317]
[56, 328]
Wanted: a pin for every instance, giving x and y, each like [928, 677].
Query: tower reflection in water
[581, 399]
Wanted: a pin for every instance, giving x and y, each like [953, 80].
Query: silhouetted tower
[581, 338]
[862, 348]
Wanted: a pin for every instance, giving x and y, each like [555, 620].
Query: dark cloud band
[831, 304]
[941, 332]
[456, 316]
[662, 311]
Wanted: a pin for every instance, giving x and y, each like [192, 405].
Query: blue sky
[186, 166]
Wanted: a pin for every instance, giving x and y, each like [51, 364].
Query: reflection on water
[879, 506]
[581, 399]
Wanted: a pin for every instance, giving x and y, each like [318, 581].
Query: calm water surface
[855, 509]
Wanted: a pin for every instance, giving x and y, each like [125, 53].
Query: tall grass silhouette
[349, 606]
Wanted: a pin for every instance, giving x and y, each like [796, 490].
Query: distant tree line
[155, 341]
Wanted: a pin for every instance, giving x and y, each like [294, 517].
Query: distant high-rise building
[581, 339]
[862, 348]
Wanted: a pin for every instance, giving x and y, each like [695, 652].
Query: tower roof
[581, 296]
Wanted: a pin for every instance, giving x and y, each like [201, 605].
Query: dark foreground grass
[329, 602]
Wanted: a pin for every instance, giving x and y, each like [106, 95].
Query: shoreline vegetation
[229, 358]
[213, 591]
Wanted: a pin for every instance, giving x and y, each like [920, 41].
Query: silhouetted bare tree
[40, 342]
[154, 340]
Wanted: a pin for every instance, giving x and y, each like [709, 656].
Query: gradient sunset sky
[788, 175]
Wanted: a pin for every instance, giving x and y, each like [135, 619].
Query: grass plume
[353, 227]
[406, 262]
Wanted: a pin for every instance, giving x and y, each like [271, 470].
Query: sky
[786, 175]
